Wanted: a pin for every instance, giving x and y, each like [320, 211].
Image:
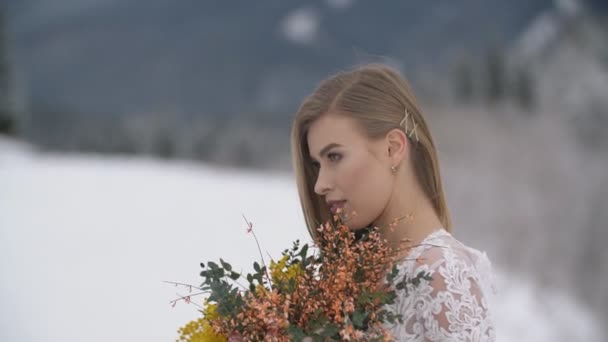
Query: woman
[362, 148]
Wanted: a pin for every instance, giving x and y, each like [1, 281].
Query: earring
[394, 169]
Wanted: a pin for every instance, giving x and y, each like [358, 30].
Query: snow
[86, 242]
[301, 25]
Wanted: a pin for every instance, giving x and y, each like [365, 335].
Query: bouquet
[331, 290]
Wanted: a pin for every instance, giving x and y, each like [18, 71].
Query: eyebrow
[326, 149]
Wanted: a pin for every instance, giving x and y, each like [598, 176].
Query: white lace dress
[455, 305]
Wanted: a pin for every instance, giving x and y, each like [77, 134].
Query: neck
[416, 220]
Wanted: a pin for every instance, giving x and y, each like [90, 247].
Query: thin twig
[173, 302]
[250, 229]
[183, 284]
[421, 244]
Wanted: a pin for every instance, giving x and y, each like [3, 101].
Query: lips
[335, 205]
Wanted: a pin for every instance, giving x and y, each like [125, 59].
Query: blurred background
[134, 135]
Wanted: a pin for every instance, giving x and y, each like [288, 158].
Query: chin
[355, 226]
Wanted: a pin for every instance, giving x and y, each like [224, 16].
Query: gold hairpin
[404, 121]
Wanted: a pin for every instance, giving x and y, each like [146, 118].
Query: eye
[334, 156]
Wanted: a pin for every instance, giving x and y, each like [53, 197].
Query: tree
[495, 76]
[463, 81]
[7, 115]
[524, 90]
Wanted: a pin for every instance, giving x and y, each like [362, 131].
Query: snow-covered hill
[86, 242]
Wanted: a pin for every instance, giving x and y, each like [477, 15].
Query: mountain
[212, 58]
[108, 230]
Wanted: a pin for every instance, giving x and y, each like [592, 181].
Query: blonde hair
[376, 96]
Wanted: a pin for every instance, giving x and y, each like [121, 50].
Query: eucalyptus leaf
[226, 265]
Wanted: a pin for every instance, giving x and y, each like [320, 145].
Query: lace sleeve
[451, 306]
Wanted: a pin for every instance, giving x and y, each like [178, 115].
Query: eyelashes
[333, 157]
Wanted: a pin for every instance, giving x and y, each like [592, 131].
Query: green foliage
[321, 329]
[415, 281]
[228, 298]
[296, 333]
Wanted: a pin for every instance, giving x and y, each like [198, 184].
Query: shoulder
[455, 266]
[449, 269]
[449, 299]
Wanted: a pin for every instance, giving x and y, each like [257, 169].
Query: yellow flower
[276, 269]
[280, 273]
[211, 312]
[294, 271]
[260, 289]
[200, 330]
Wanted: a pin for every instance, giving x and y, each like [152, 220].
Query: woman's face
[350, 168]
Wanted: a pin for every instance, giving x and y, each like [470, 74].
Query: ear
[397, 144]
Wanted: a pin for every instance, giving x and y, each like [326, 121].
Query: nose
[322, 185]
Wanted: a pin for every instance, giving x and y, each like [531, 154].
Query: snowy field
[87, 241]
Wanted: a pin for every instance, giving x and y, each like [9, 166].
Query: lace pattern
[455, 305]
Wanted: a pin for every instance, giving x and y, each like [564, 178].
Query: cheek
[365, 186]
[355, 170]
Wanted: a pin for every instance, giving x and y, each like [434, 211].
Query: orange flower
[327, 288]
